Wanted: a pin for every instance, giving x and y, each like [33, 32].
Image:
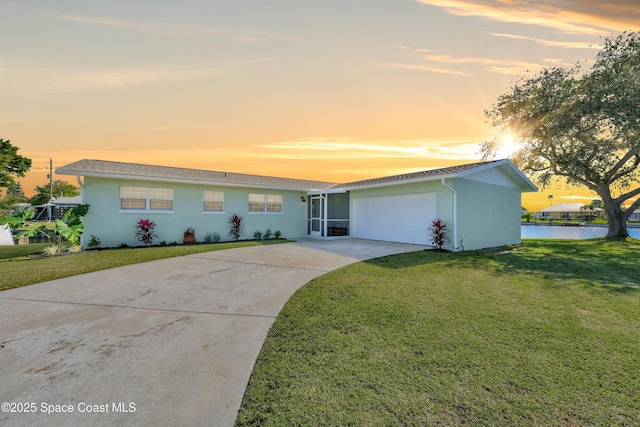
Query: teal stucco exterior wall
[488, 214]
[114, 226]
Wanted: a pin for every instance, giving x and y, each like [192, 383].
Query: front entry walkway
[169, 342]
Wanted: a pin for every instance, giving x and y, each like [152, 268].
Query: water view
[570, 233]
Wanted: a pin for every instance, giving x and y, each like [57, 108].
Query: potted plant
[189, 236]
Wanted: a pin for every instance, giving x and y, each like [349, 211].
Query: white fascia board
[177, 180]
[329, 191]
[407, 181]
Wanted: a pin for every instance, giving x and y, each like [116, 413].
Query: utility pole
[50, 179]
[50, 176]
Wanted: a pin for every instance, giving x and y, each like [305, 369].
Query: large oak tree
[583, 125]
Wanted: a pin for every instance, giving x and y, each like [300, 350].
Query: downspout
[81, 184]
[454, 246]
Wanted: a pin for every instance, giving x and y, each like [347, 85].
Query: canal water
[570, 233]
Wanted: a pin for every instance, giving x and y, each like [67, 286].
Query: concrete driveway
[169, 342]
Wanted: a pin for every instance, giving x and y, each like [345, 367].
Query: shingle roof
[133, 170]
[103, 168]
[431, 173]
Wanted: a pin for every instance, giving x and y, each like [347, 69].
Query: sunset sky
[328, 90]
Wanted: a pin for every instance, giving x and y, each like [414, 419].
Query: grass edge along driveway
[18, 269]
[545, 333]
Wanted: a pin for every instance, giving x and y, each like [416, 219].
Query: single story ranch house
[479, 202]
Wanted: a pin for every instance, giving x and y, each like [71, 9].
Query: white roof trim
[499, 163]
[401, 182]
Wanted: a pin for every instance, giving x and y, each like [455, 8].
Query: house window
[213, 201]
[161, 199]
[274, 203]
[271, 203]
[133, 198]
[142, 198]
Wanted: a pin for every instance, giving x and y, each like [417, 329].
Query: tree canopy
[583, 125]
[13, 195]
[11, 164]
[60, 188]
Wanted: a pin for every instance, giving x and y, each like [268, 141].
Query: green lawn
[18, 269]
[546, 333]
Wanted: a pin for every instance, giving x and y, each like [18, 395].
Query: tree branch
[633, 152]
[588, 184]
[626, 171]
[631, 209]
[626, 196]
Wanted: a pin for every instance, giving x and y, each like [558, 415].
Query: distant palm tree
[550, 197]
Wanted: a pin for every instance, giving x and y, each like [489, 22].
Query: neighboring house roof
[108, 169]
[62, 201]
[65, 200]
[563, 207]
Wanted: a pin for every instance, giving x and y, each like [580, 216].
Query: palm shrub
[438, 233]
[145, 232]
[236, 227]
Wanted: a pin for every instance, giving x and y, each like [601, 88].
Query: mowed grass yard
[545, 333]
[19, 268]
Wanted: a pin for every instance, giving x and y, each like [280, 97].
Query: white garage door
[403, 218]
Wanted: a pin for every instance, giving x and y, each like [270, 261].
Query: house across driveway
[169, 342]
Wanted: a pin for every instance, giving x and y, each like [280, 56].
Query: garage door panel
[398, 218]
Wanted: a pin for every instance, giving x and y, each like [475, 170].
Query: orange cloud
[594, 17]
[173, 29]
[489, 64]
[354, 148]
[552, 43]
[419, 67]
[28, 77]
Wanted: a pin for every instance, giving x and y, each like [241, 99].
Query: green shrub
[94, 242]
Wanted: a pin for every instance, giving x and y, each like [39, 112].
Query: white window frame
[152, 196]
[268, 202]
[209, 196]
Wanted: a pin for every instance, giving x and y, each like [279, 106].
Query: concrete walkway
[169, 342]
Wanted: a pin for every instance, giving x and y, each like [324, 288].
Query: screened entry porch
[328, 214]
